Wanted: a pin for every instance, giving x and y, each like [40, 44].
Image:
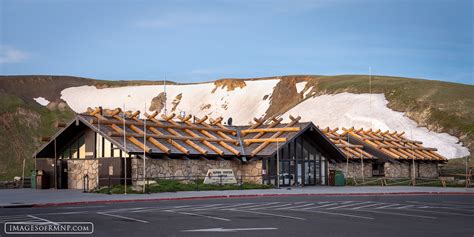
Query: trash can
[339, 178]
[332, 178]
[33, 179]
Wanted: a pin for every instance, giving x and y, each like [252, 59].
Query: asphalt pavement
[412, 215]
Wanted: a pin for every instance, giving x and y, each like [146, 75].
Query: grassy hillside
[21, 124]
[23, 121]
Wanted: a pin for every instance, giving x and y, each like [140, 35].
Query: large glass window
[75, 150]
[106, 149]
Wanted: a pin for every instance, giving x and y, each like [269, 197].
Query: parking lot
[413, 215]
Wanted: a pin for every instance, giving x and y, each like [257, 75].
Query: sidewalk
[51, 197]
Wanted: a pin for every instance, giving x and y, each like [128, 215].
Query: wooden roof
[190, 135]
[343, 142]
[175, 135]
[394, 144]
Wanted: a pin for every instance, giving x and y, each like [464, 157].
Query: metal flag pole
[362, 163]
[347, 159]
[100, 142]
[370, 95]
[165, 96]
[413, 157]
[144, 152]
[125, 147]
[278, 167]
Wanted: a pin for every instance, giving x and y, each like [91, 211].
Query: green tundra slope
[440, 106]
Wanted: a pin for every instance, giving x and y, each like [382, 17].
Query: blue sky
[191, 41]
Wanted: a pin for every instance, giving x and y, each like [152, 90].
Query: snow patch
[242, 104]
[347, 110]
[300, 86]
[42, 101]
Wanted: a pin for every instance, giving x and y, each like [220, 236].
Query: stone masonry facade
[77, 169]
[354, 170]
[404, 170]
[156, 168]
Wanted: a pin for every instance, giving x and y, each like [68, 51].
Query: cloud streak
[12, 55]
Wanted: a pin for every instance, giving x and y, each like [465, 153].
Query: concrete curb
[231, 196]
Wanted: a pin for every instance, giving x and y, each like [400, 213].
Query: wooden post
[23, 175]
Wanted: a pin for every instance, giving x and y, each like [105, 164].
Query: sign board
[220, 176]
[111, 170]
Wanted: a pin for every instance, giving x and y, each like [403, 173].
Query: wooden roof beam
[260, 134]
[131, 138]
[150, 116]
[106, 121]
[275, 135]
[256, 140]
[215, 121]
[257, 130]
[169, 117]
[257, 123]
[201, 120]
[115, 112]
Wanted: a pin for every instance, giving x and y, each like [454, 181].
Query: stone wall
[77, 168]
[428, 170]
[397, 170]
[191, 168]
[353, 169]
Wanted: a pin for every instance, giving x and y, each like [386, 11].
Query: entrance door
[310, 172]
[62, 173]
[285, 174]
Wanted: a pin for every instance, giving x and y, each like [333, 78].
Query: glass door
[310, 172]
[285, 175]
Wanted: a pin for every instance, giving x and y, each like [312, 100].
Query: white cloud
[12, 55]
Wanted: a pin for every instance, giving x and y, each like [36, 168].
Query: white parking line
[383, 207]
[42, 219]
[19, 219]
[326, 205]
[122, 217]
[471, 204]
[370, 205]
[398, 214]
[441, 212]
[160, 208]
[295, 207]
[269, 214]
[273, 207]
[219, 208]
[441, 204]
[260, 205]
[334, 214]
[348, 205]
[196, 214]
[237, 205]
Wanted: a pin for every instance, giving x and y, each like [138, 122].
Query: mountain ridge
[444, 107]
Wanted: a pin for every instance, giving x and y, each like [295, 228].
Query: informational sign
[220, 176]
[111, 170]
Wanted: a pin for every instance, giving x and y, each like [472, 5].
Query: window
[75, 150]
